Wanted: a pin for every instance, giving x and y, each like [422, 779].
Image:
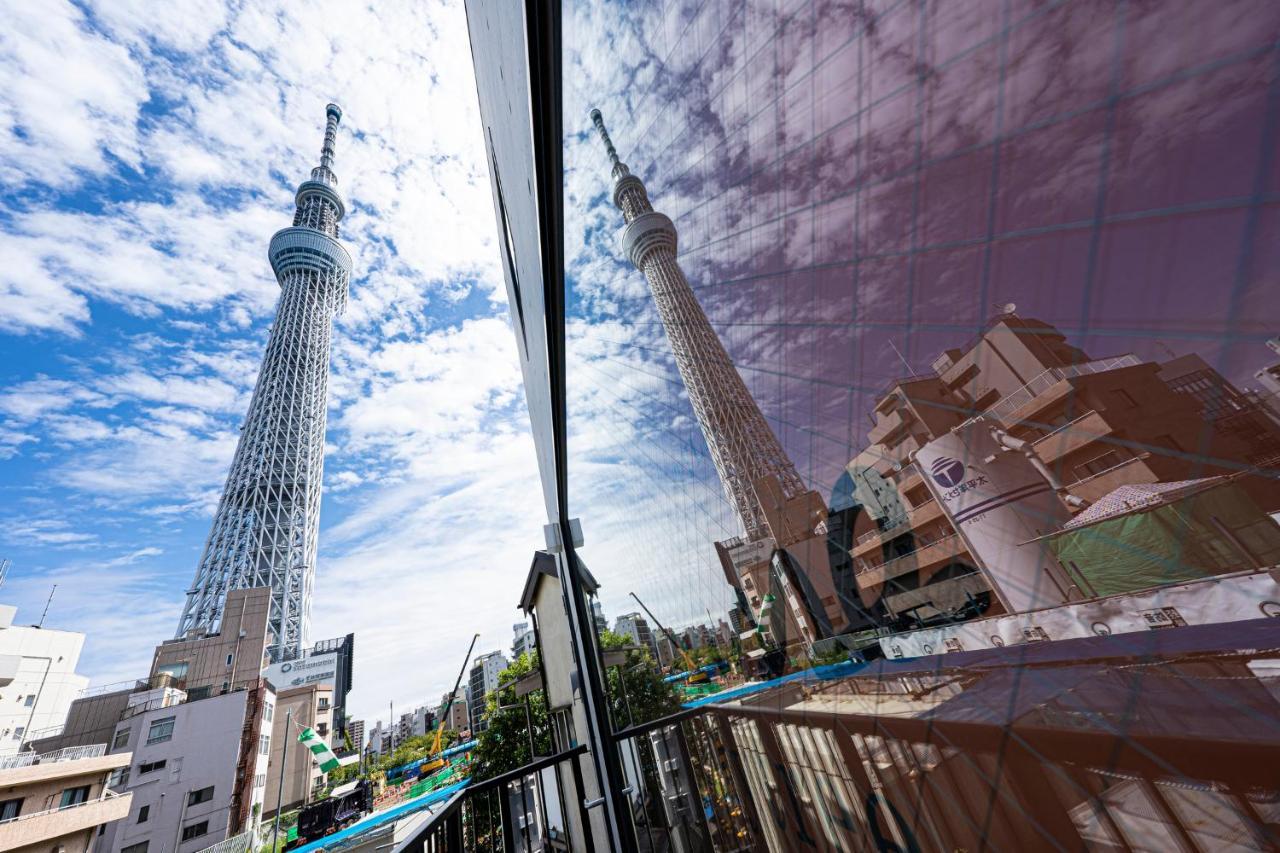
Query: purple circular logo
[947, 472]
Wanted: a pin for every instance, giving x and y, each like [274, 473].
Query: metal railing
[863, 566]
[540, 806]
[241, 843]
[70, 753]
[1011, 402]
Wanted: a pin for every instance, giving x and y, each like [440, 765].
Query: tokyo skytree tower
[743, 447]
[265, 530]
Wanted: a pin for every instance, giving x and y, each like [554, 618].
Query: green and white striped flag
[320, 750]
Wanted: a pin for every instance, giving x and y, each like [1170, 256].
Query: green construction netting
[1173, 543]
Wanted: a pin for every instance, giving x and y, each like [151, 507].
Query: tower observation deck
[266, 526]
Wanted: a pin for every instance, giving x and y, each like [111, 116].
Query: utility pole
[284, 754]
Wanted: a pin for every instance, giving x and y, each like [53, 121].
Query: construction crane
[437, 760]
[696, 675]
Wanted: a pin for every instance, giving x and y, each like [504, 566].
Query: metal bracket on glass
[551, 533]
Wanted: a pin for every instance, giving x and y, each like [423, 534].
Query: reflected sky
[859, 186]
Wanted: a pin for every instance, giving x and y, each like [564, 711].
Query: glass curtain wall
[916, 331]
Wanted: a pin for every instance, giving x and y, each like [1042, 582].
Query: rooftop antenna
[40, 624]
[899, 354]
[4, 569]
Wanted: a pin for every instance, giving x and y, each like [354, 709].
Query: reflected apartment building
[1096, 424]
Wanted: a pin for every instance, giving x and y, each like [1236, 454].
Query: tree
[637, 693]
[505, 742]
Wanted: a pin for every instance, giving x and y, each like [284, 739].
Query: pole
[49, 601]
[284, 753]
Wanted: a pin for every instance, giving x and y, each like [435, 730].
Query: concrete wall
[242, 641]
[202, 752]
[90, 720]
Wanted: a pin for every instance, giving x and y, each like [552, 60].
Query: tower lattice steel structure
[743, 447]
[265, 530]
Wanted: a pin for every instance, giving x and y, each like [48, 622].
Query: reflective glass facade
[913, 391]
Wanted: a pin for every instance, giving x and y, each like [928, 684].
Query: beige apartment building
[57, 801]
[310, 706]
[1095, 423]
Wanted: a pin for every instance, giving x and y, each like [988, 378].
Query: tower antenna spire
[324, 172]
[619, 168]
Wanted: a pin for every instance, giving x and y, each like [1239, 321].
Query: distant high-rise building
[355, 731]
[525, 640]
[636, 627]
[483, 681]
[265, 529]
[597, 613]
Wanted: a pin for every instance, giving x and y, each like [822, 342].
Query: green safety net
[1213, 532]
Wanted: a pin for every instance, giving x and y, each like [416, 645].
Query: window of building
[74, 796]
[121, 739]
[264, 744]
[150, 766]
[269, 713]
[176, 670]
[30, 700]
[322, 704]
[230, 658]
[260, 781]
[203, 795]
[322, 729]
[118, 778]
[195, 830]
[199, 693]
[18, 732]
[140, 847]
[10, 809]
[144, 813]
[160, 731]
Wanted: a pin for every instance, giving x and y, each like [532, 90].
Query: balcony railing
[1011, 402]
[107, 796]
[1048, 746]
[70, 753]
[864, 567]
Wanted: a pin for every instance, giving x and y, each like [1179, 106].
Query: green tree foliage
[504, 744]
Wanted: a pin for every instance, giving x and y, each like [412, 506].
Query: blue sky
[148, 152]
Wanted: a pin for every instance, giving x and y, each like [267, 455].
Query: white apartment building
[38, 680]
[483, 681]
[198, 773]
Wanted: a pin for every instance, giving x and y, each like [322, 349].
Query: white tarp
[1227, 598]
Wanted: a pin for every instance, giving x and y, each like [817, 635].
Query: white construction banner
[996, 500]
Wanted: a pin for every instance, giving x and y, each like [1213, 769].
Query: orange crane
[438, 761]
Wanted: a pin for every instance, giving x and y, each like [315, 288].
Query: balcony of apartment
[28, 767]
[1127, 471]
[943, 596]
[1049, 387]
[887, 427]
[928, 556]
[918, 517]
[1000, 749]
[1072, 436]
[59, 822]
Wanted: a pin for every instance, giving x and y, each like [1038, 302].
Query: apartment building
[310, 706]
[59, 800]
[1091, 424]
[636, 627]
[484, 680]
[38, 680]
[198, 768]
